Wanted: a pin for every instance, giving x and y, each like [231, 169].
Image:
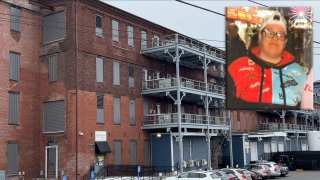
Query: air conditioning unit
[204, 162]
[190, 163]
[167, 118]
[198, 163]
[151, 111]
[184, 163]
[164, 83]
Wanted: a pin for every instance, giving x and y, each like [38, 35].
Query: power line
[200, 7]
[258, 3]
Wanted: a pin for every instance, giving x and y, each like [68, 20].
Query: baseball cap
[275, 18]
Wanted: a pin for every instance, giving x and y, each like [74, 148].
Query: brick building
[75, 91]
[86, 84]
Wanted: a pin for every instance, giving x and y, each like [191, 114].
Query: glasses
[272, 34]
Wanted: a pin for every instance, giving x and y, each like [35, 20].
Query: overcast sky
[201, 24]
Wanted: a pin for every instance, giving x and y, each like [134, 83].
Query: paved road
[304, 175]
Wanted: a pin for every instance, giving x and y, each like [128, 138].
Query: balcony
[194, 121]
[162, 47]
[280, 127]
[156, 86]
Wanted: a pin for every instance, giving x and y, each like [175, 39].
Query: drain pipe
[76, 54]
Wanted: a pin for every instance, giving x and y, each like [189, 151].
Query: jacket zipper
[261, 85]
[282, 88]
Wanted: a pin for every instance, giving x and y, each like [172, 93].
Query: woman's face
[272, 41]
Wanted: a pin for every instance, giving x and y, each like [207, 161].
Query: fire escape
[186, 52]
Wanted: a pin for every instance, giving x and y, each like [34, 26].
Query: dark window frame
[98, 25]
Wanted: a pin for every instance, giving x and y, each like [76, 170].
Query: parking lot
[304, 175]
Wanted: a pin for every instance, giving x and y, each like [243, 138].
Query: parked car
[194, 175]
[284, 170]
[255, 175]
[242, 174]
[261, 169]
[223, 175]
[275, 170]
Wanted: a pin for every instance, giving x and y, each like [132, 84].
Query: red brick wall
[26, 133]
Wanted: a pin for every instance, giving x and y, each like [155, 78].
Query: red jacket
[257, 81]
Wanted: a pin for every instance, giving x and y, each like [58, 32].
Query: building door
[280, 147]
[254, 151]
[274, 146]
[51, 162]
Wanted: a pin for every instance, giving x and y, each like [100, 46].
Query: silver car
[275, 170]
[194, 175]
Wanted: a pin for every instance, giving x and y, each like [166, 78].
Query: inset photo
[269, 58]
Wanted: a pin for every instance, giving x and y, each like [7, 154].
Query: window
[100, 109]
[54, 27]
[99, 69]
[53, 68]
[145, 108]
[132, 108]
[133, 152]
[12, 158]
[131, 77]
[15, 19]
[98, 25]
[14, 66]
[115, 30]
[143, 40]
[116, 110]
[117, 152]
[130, 35]
[116, 73]
[54, 117]
[14, 108]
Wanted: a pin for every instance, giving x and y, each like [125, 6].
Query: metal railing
[129, 172]
[172, 118]
[284, 127]
[186, 41]
[164, 83]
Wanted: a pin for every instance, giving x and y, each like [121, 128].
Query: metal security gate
[51, 161]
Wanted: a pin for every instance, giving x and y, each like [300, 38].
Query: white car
[275, 170]
[193, 175]
[242, 174]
